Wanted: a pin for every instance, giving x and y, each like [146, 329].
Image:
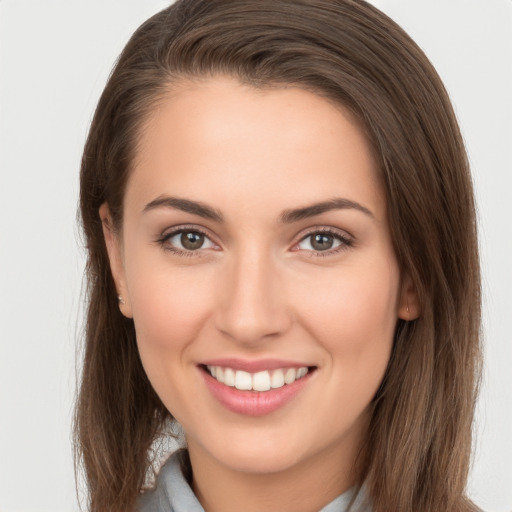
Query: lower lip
[254, 403]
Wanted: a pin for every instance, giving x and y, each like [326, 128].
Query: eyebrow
[287, 216]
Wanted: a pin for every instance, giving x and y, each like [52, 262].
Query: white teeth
[301, 372]
[229, 377]
[290, 375]
[243, 380]
[277, 379]
[259, 381]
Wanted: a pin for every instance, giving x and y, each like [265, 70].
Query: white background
[55, 57]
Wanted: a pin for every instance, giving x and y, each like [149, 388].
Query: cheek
[169, 309]
[354, 320]
[167, 313]
[354, 314]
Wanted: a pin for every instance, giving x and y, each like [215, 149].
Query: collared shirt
[174, 494]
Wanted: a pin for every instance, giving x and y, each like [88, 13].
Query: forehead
[225, 141]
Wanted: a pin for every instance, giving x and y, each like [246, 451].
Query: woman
[283, 259]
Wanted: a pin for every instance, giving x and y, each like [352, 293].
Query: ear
[115, 256]
[409, 305]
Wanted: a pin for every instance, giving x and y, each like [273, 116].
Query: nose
[252, 303]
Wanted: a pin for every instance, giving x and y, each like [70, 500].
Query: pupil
[191, 240]
[322, 242]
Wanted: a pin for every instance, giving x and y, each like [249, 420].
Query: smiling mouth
[259, 381]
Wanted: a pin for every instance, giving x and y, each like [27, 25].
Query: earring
[120, 299]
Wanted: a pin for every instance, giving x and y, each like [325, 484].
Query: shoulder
[172, 492]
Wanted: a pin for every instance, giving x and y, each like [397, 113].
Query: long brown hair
[418, 446]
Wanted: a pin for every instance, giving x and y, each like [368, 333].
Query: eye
[324, 242]
[185, 242]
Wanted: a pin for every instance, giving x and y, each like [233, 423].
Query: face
[255, 247]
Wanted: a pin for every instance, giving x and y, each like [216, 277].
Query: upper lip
[253, 366]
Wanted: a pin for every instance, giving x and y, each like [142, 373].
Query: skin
[257, 288]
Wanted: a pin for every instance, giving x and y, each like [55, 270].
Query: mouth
[259, 388]
[260, 381]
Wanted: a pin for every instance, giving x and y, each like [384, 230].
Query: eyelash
[346, 242]
[180, 252]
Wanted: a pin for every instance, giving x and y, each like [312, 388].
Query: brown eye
[322, 242]
[186, 242]
[191, 240]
